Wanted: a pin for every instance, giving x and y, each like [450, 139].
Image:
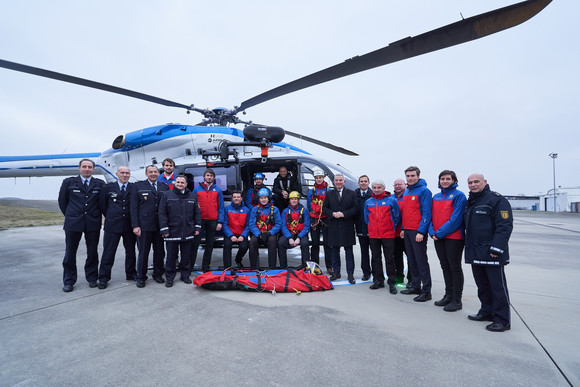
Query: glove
[264, 236]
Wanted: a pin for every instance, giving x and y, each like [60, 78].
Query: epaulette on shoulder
[496, 193]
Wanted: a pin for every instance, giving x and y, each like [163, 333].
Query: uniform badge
[383, 202]
[412, 198]
[504, 214]
[450, 196]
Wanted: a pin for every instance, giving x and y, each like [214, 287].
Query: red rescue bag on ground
[271, 280]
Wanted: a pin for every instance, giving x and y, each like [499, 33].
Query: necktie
[86, 184]
[154, 187]
[123, 189]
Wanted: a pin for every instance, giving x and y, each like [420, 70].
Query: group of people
[163, 214]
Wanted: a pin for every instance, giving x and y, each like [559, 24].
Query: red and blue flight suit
[251, 198]
[314, 202]
[170, 181]
[295, 224]
[211, 203]
[447, 226]
[382, 215]
[416, 217]
[265, 223]
[236, 223]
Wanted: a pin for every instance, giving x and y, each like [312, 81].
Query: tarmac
[347, 336]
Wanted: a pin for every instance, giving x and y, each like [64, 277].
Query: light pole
[554, 156]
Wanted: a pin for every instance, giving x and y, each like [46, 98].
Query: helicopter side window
[307, 177]
[225, 178]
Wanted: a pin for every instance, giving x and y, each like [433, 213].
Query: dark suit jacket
[144, 204]
[80, 207]
[116, 208]
[341, 230]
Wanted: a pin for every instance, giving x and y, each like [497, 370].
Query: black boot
[444, 301]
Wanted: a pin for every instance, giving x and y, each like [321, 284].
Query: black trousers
[349, 258]
[365, 259]
[271, 244]
[207, 226]
[145, 241]
[242, 250]
[399, 264]
[284, 245]
[492, 291]
[418, 262]
[69, 263]
[315, 248]
[388, 247]
[110, 244]
[450, 252]
[185, 267]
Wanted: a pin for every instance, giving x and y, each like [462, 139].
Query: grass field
[11, 216]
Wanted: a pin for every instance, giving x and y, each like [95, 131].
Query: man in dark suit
[114, 203]
[340, 208]
[145, 222]
[78, 200]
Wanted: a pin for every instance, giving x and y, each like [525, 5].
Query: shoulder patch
[504, 214]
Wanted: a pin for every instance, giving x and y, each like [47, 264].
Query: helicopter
[236, 154]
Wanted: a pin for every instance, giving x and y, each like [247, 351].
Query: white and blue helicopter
[236, 154]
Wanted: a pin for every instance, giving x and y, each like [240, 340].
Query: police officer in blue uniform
[145, 222]
[179, 222]
[78, 200]
[114, 203]
[488, 227]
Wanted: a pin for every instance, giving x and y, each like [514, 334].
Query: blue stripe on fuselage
[49, 157]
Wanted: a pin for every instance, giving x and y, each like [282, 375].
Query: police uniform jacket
[488, 226]
[114, 205]
[144, 204]
[80, 206]
[361, 225]
[341, 230]
[179, 215]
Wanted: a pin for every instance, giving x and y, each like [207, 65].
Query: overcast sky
[497, 105]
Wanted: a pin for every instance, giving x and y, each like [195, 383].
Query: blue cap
[259, 175]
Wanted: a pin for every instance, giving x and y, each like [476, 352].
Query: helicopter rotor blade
[453, 34]
[92, 84]
[321, 143]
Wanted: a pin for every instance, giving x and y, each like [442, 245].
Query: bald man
[488, 226]
[114, 202]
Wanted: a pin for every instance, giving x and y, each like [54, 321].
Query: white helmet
[318, 172]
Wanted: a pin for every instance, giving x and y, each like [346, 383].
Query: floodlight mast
[554, 156]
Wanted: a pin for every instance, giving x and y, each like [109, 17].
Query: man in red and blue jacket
[315, 201]
[168, 176]
[295, 227]
[211, 203]
[236, 229]
[265, 223]
[416, 215]
[381, 214]
[447, 230]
